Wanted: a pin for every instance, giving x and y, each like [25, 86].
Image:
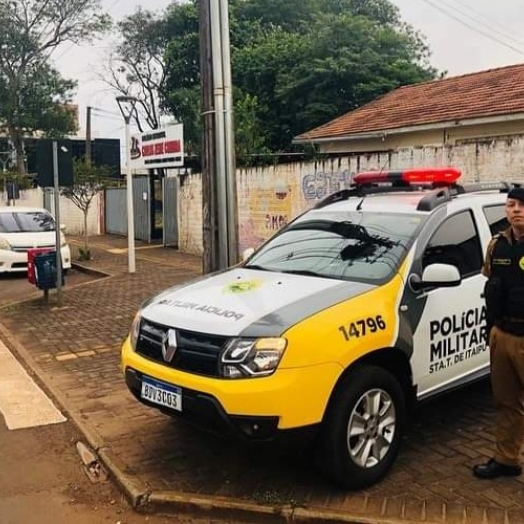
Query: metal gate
[116, 209]
[142, 207]
[48, 199]
[170, 211]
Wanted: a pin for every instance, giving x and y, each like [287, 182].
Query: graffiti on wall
[317, 185]
[269, 210]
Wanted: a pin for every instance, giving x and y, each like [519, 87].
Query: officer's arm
[486, 268]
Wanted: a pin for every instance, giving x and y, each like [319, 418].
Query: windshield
[25, 222]
[366, 247]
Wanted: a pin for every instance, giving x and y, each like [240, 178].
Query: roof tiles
[493, 92]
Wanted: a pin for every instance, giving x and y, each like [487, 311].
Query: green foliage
[88, 181]
[296, 64]
[137, 66]
[22, 181]
[84, 254]
[34, 95]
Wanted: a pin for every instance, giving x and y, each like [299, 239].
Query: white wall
[270, 197]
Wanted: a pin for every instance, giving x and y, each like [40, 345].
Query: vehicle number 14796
[360, 328]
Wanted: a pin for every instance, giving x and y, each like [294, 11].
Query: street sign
[45, 166]
[160, 148]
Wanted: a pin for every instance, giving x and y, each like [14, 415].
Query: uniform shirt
[486, 268]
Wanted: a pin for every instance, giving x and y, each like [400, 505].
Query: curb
[90, 270]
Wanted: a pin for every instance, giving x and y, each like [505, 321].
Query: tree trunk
[85, 230]
[18, 144]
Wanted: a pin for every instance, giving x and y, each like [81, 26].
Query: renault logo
[169, 345]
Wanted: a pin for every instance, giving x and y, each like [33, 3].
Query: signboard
[45, 165]
[160, 148]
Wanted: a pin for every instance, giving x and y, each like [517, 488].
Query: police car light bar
[427, 175]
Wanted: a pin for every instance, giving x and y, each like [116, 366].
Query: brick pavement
[75, 351]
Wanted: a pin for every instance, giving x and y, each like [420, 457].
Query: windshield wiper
[305, 272]
[255, 266]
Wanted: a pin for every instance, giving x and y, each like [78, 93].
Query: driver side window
[456, 242]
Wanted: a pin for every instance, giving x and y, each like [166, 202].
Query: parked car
[24, 228]
[339, 324]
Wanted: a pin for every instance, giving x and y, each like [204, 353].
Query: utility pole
[88, 136]
[220, 232]
[210, 231]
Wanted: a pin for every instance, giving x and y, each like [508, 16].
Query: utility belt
[513, 326]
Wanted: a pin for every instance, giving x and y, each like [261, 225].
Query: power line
[503, 31]
[504, 28]
[469, 26]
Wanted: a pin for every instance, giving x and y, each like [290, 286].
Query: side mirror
[436, 275]
[247, 253]
[62, 228]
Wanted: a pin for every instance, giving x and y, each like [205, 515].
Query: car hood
[30, 239]
[248, 302]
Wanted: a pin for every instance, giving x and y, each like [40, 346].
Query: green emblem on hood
[242, 286]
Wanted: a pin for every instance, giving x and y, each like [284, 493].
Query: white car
[24, 228]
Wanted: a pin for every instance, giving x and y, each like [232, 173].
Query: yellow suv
[340, 322]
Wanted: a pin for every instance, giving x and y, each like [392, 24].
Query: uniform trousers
[507, 379]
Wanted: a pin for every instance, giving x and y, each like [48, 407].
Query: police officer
[504, 292]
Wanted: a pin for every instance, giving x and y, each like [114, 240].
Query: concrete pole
[130, 208]
[88, 136]
[209, 212]
[220, 150]
[127, 107]
[58, 243]
[229, 139]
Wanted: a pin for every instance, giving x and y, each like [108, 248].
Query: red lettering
[172, 146]
[148, 150]
[159, 148]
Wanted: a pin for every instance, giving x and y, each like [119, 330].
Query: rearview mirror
[436, 275]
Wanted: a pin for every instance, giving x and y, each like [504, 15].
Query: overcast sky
[464, 36]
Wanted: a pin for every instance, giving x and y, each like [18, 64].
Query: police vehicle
[336, 326]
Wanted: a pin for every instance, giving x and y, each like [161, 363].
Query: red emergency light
[425, 175]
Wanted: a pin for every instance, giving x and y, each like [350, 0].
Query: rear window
[26, 222]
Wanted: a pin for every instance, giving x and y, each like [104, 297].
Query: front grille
[196, 352]
[25, 249]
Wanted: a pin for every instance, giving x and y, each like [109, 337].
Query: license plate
[161, 393]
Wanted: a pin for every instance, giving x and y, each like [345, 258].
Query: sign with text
[160, 148]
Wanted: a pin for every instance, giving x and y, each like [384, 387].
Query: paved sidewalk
[163, 464]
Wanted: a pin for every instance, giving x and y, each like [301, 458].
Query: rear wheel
[363, 427]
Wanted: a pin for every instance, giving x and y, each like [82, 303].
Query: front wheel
[362, 430]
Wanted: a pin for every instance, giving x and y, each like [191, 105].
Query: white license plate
[161, 393]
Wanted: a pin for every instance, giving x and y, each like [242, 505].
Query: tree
[136, 67]
[34, 95]
[302, 62]
[88, 181]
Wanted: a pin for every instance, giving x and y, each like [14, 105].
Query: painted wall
[452, 135]
[70, 215]
[270, 197]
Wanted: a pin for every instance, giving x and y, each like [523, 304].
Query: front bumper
[255, 408]
[206, 412]
[16, 261]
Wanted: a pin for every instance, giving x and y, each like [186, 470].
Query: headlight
[252, 357]
[4, 244]
[135, 330]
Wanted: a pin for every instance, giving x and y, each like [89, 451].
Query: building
[487, 105]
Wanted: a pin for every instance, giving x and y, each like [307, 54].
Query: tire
[369, 401]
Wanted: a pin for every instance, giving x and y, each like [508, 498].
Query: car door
[449, 340]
